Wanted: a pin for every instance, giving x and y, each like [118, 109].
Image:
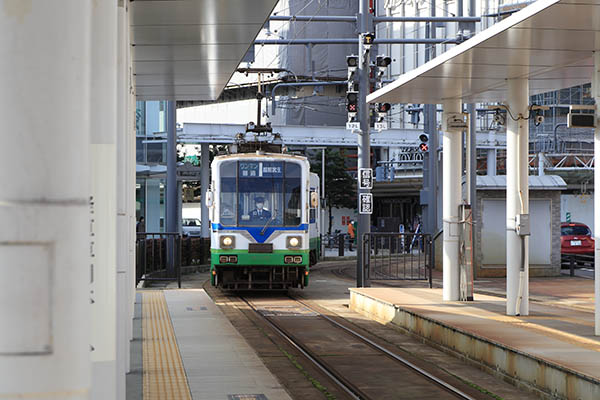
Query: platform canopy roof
[549, 42]
[188, 49]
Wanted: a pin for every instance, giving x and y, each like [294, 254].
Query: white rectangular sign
[353, 126]
[381, 126]
[366, 203]
[365, 178]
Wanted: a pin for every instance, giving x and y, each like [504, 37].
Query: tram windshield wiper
[262, 232]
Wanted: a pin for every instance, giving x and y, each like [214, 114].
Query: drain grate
[246, 397]
[286, 311]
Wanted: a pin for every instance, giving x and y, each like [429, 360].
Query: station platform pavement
[552, 352]
[185, 348]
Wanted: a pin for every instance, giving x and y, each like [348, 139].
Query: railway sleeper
[260, 277]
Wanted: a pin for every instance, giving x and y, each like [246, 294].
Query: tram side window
[228, 199]
[293, 194]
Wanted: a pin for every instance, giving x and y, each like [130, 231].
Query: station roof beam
[189, 49]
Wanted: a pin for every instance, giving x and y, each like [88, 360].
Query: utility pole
[364, 141]
[430, 159]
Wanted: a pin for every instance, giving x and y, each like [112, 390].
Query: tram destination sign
[365, 178]
[366, 203]
[261, 169]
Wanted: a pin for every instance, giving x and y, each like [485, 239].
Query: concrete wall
[337, 214]
[581, 207]
[191, 210]
[551, 269]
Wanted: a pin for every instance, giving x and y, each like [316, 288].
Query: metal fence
[573, 261]
[158, 257]
[398, 256]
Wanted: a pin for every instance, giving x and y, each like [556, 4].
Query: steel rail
[352, 392]
[396, 357]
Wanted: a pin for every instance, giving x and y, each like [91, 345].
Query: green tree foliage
[340, 188]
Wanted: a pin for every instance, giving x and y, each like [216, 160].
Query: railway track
[360, 367]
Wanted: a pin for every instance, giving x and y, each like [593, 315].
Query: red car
[576, 238]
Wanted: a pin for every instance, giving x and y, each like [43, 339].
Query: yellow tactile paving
[164, 375]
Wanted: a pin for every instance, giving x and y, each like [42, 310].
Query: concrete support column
[152, 205]
[45, 64]
[103, 179]
[123, 233]
[171, 197]
[596, 90]
[132, 205]
[204, 185]
[517, 197]
[451, 200]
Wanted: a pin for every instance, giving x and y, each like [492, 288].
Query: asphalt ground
[329, 289]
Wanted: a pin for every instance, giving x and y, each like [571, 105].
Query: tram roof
[188, 49]
[549, 42]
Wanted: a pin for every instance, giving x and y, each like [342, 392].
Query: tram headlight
[294, 242]
[298, 259]
[227, 242]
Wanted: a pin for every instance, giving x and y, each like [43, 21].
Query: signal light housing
[352, 61]
[383, 107]
[352, 106]
[383, 61]
[423, 146]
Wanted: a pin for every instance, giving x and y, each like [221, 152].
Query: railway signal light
[352, 105]
[382, 110]
[383, 61]
[352, 62]
[423, 146]
[383, 107]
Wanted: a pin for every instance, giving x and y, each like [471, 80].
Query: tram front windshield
[260, 193]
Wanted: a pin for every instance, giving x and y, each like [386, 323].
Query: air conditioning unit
[579, 120]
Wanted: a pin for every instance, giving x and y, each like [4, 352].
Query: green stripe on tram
[246, 258]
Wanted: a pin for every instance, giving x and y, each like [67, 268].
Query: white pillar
[45, 63]
[596, 90]
[122, 210]
[491, 162]
[152, 205]
[452, 149]
[103, 178]
[468, 156]
[204, 184]
[517, 195]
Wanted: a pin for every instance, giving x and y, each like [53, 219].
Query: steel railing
[398, 256]
[158, 257]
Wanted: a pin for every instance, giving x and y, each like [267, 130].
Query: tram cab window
[260, 193]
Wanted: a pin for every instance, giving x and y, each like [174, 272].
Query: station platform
[187, 349]
[552, 352]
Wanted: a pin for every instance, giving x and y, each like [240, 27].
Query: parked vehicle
[191, 227]
[576, 238]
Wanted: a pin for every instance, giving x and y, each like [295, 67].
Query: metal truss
[562, 161]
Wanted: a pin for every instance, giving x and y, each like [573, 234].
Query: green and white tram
[264, 210]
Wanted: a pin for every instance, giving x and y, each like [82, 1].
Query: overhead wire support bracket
[355, 41]
[426, 19]
[351, 18]
[314, 18]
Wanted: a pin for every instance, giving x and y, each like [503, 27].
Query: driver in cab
[260, 214]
